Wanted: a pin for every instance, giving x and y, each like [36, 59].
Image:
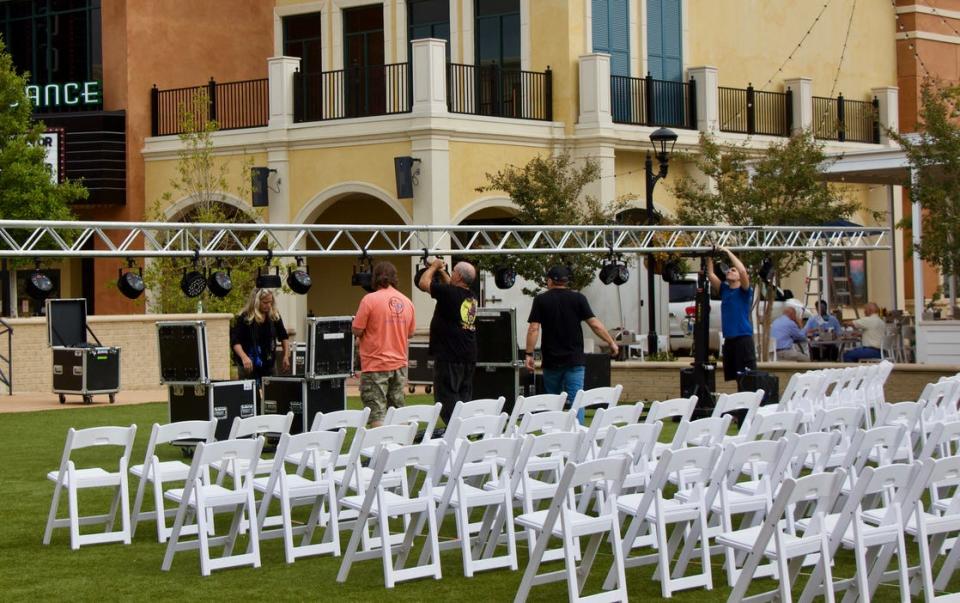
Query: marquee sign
[65, 95]
[53, 142]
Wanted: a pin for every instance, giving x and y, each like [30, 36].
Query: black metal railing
[645, 101]
[750, 111]
[499, 92]
[6, 361]
[846, 120]
[233, 105]
[357, 91]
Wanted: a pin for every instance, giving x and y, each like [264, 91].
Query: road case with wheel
[220, 400]
[304, 397]
[79, 368]
[419, 367]
[329, 347]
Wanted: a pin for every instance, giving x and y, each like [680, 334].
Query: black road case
[304, 397]
[220, 400]
[498, 369]
[419, 367]
[329, 347]
[751, 380]
[182, 347]
[79, 368]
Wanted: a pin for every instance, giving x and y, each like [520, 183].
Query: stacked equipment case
[498, 370]
[184, 368]
[318, 385]
[79, 368]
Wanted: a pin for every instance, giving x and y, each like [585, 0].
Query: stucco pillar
[708, 97]
[429, 77]
[431, 202]
[802, 90]
[604, 188]
[280, 74]
[292, 307]
[595, 90]
[889, 112]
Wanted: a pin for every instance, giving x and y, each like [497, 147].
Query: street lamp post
[663, 140]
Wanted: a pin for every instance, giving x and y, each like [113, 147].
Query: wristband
[528, 353]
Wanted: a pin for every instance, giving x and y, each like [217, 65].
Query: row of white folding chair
[941, 400]
[268, 425]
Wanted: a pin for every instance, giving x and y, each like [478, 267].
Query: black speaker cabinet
[419, 364]
[597, 373]
[496, 336]
[304, 397]
[496, 381]
[183, 352]
[751, 381]
[220, 400]
[329, 347]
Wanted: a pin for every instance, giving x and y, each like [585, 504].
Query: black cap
[559, 274]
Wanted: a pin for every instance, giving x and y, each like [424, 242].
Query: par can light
[269, 281]
[219, 283]
[39, 285]
[130, 283]
[614, 272]
[299, 279]
[362, 278]
[193, 283]
[505, 277]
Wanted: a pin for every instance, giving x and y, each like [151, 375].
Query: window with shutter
[664, 41]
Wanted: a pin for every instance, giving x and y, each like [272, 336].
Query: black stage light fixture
[505, 277]
[39, 285]
[362, 277]
[219, 282]
[265, 280]
[130, 283]
[614, 271]
[672, 272]
[193, 283]
[299, 280]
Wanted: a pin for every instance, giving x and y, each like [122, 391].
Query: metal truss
[39, 239]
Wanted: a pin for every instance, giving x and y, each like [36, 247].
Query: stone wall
[661, 380]
[135, 335]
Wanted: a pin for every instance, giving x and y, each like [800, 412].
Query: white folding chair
[942, 441]
[253, 427]
[530, 404]
[772, 426]
[379, 503]
[318, 451]
[199, 498]
[478, 407]
[603, 420]
[654, 510]
[480, 478]
[547, 422]
[425, 416]
[845, 420]
[680, 409]
[932, 527]
[745, 403]
[906, 414]
[702, 432]
[811, 450]
[157, 472]
[349, 420]
[773, 539]
[597, 397]
[636, 440]
[563, 521]
[69, 477]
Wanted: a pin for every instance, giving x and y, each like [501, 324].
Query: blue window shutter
[619, 37]
[664, 39]
[655, 38]
[600, 18]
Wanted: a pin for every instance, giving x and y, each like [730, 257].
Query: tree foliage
[935, 155]
[548, 190]
[778, 187]
[26, 189]
[204, 179]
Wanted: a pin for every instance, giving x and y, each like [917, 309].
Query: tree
[778, 187]
[27, 191]
[934, 156]
[548, 191]
[202, 178]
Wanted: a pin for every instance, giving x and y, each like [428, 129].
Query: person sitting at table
[823, 322]
[785, 330]
[871, 329]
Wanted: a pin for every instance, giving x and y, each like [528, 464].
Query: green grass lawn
[31, 444]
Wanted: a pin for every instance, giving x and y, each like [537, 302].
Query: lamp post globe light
[663, 140]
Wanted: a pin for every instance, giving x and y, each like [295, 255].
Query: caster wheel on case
[113, 398]
[428, 389]
[88, 399]
[412, 389]
[63, 399]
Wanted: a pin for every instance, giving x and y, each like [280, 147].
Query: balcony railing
[846, 120]
[357, 91]
[750, 111]
[232, 105]
[649, 102]
[498, 92]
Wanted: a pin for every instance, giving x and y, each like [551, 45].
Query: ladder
[813, 284]
[840, 282]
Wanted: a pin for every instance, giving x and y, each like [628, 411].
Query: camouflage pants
[380, 389]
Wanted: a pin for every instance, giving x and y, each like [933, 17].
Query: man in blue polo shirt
[736, 300]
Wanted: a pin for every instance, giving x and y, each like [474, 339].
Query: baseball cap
[558, 273]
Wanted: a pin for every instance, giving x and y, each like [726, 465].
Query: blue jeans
[857, 354]
[568, 379]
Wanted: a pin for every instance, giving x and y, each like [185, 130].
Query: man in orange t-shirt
[384, 323]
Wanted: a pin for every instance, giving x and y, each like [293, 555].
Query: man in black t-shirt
[560, 310]
[453, 339]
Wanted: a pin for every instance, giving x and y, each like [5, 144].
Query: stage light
[219, 282]
[614, 271]
[130, 283]
[672, 272]
[39, 285]
[299, 280]
[363, 275]
[269, 281]
[193, 283]
[505, 277]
